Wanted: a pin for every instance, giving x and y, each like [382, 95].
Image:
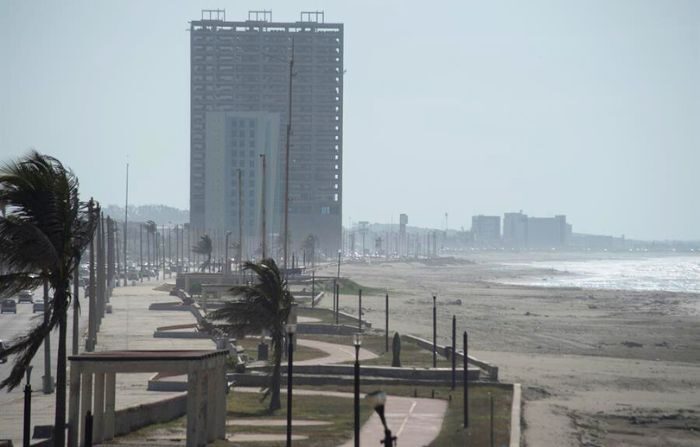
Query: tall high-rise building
[242, 73]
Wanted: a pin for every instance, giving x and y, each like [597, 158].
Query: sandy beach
[598, 367]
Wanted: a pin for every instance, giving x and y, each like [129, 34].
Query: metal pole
[286, 165]
[227, 262]
[357, 396]
[337, 302]
[126, 218]
[386, 317]
[434, 332]
[290, 354]
[240, 216]
[28, 406]
[491, 419]
[88, 430]
[339, 253]
[141, 250]
[464, 382]
[454, 351]
[359, 311]
[76, 306]
[313, 288]
[48, 380]
[92, 311]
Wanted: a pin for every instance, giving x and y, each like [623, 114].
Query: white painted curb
[515, 416]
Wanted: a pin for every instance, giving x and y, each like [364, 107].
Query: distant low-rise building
[547, 232]
[486, 230]
[515, 230]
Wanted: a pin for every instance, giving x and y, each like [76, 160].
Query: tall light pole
[239, 255]
[226, 266]
[263, 207]
[357, 342]
[286, 164]
[126, 219]
[291, 329]
[434, 332]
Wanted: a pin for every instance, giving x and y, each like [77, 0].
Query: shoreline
[591, 361]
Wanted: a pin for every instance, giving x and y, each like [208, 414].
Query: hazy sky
[584, 108]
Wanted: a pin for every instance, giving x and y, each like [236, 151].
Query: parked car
[3, 346]
[26, 296]
[8, 306]
[38, 306]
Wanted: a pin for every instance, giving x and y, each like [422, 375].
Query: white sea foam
[674, 274]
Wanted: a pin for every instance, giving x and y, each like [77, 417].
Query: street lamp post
[263, 208]
[464, 380]
[378, 399]
[434, 332]
[357, 342]
[291, 329]
[226, 266]
[27, 409]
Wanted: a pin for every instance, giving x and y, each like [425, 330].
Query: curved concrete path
[415, 421]
[335, 353]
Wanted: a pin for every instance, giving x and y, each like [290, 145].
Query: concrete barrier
[490, 369]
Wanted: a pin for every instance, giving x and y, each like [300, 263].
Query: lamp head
[291, 328]
[376, 398]
[357, 340]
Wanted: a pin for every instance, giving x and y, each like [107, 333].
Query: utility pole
[92, 313]
[240, 215]
[126, 219]
[286, 165]
[76, 291]
[141, 250]
[264, 201]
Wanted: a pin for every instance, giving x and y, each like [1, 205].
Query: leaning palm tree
[45, 230]
[263, 305]
[204, 247]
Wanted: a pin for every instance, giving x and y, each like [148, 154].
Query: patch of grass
[412, 355]
[452, 432]
[325, 315]
[349, 287]
[338, 411]
[300, 353]
[478, 433]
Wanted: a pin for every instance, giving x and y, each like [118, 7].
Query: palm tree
[263, 305]
[151, 229]
[44, 232]
[204, 247]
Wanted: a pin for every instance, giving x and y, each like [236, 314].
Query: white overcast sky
[587, 108]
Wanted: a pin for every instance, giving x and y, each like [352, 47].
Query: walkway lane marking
[413, 405]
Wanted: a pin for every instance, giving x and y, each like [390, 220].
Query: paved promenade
[129, 326]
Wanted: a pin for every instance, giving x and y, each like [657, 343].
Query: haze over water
[673, 274]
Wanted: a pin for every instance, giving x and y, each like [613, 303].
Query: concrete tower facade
[240, 103]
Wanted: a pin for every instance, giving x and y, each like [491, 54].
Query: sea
[668, 273]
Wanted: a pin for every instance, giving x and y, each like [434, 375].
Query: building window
[325, 210]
